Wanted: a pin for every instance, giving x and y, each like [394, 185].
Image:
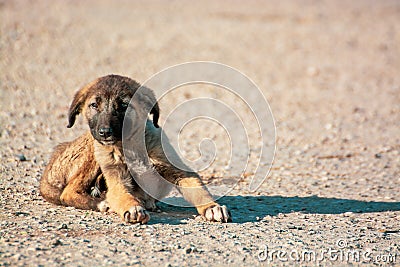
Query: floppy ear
[148, 98]
[156, 114]
[75, 108]
[77, 104]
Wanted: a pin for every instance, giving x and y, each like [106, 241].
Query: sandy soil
[330, 71]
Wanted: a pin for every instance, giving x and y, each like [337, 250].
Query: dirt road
[329, 70]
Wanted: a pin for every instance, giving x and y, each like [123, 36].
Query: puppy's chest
[106, 156]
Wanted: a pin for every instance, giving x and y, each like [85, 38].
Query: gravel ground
[330, 71]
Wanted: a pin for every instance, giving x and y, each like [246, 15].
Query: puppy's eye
[93, 105]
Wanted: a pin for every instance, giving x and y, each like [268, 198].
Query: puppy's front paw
[136, 214]
[103, 206]
[218, 213]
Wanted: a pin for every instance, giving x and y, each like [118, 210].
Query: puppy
[95, 172]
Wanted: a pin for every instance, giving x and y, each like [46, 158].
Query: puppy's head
[104, 103]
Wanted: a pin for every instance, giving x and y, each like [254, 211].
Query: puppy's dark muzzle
[105, 132]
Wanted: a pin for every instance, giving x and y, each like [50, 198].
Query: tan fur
[71, 173]
[76, 168]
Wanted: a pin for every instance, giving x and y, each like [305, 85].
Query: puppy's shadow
[249, 208]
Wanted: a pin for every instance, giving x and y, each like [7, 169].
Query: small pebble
[63, 227]
[21, 157]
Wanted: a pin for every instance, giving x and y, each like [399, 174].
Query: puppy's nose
[105, 132]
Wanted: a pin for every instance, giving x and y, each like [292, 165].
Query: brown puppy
[92, 171]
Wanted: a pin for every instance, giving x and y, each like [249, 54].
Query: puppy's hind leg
[76, 194]
[50, 192]
[99, 190]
